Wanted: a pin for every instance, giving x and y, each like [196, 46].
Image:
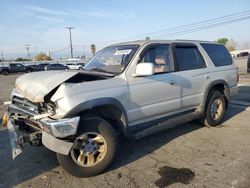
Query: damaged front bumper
[53, 133]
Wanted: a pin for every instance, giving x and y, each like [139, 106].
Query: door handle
[172, 82]
[208, 77]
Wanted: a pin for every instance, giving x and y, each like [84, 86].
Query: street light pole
[27, 46]
[70, 41]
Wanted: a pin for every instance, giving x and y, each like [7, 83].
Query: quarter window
[218, 54]
[188, 58]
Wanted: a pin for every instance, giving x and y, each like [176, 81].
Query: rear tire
[215, 109]
[77, 163]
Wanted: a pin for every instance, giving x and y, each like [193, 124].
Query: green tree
[22, 59]
[231, 45]
[42, 57]
[222, 41]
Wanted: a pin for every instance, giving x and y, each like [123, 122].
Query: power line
[205, 27]
[221, 18]
[60, 50]
[188, 28]
[217, 20]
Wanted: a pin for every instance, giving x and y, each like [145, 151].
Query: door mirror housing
[144, 69]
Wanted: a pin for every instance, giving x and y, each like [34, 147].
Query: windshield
[112, 59]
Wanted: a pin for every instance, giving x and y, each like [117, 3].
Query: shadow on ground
[31, 163]
[243, 95]
[35, 161]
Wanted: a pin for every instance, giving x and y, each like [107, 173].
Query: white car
[73, 66]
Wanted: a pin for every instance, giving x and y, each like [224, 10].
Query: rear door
[222, 65]
[194, 74]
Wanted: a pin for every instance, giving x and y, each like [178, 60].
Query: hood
[35, 86]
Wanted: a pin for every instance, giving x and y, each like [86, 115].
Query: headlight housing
[62, 127]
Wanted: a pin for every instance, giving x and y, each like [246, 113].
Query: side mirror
[144, 69]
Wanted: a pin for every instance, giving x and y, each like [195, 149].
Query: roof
[142, 42]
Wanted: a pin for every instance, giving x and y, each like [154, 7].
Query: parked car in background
[243, 54]
[82, 64]
[14, 68]
[38, 67]
[74, 66]
[248, 64]
[55, 66]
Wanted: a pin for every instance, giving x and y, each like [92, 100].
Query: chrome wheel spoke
[98, 139]
[90, 160]
[81, 157]
[101, 148]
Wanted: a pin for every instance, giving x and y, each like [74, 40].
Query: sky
[42, 23]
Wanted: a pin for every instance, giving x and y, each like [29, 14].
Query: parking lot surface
[189, 155]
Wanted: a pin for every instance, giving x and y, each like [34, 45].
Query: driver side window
[160, 56]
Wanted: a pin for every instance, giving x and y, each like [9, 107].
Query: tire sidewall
[209, 121]
[99, 126]
[5, 72]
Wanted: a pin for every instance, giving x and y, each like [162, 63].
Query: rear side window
[188, 58]
[218, 54]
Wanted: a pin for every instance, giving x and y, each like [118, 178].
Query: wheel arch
[5, 69]
[109, 109]
[219, 85]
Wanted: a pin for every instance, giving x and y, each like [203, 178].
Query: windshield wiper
[101, 70]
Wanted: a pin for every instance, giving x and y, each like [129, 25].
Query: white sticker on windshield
[123, 52]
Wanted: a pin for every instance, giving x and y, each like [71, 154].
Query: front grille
[25, 104]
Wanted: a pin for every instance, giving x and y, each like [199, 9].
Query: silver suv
[133, 89]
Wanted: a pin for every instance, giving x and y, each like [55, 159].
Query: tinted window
[57, 65]
[160, 56]
[218, 54]
[188, 58]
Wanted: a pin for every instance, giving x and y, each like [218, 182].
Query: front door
[156, 95]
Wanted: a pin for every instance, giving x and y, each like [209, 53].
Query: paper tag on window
[123, 52]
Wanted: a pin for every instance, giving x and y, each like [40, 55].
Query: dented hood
[35, 86]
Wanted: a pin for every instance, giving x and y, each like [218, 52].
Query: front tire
[215, 109]
[5, 72]
[93, 150]
[28, 71]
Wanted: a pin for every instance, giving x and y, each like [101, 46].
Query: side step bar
[168, 123]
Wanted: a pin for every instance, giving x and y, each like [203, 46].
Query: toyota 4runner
[133, 89]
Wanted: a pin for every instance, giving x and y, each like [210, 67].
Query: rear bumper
[233, 90]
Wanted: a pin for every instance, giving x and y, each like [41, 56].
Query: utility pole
[2, 56]
[27, 46]
[36, 49]
[70, 41]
